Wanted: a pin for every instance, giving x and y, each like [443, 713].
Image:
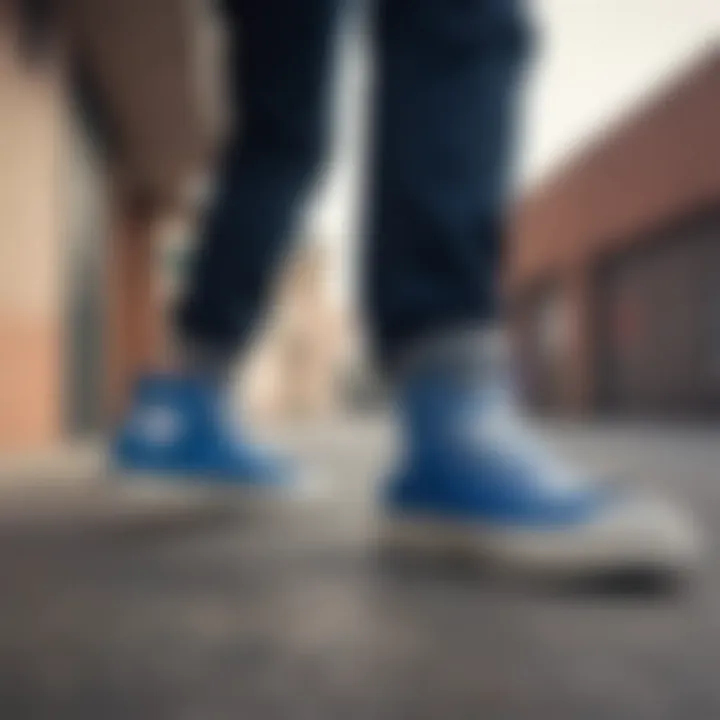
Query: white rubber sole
[640, 535]
[307, 490]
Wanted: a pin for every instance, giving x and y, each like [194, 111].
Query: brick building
[614, 268]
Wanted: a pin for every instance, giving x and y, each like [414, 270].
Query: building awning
[154, 64]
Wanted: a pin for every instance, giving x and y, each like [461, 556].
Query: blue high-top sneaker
[475, 481]
[180, 427]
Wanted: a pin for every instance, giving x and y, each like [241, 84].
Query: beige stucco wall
[292, 372]
[31, 233]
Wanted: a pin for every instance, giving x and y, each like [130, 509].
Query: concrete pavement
[122, 603]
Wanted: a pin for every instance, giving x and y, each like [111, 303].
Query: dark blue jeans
[446, 75]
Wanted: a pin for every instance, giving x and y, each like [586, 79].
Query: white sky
[595, 60]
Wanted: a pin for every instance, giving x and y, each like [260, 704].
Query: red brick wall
[661, 163]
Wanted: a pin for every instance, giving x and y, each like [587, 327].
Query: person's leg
[446, 90]
[178, 423]
[472, 479]
[280, 51]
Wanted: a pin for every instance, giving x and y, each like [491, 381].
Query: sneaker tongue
[472, 373]
[493, 425]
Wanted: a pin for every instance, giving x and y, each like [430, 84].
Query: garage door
[660, 324]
